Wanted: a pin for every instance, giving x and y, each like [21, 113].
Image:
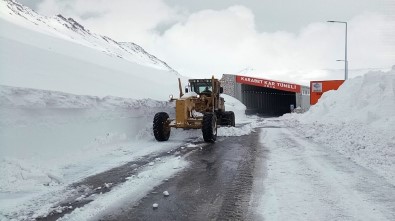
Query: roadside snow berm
[200, 107]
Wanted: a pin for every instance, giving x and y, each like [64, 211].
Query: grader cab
[201, 107]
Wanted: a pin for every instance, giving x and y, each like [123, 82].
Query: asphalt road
[217, 186]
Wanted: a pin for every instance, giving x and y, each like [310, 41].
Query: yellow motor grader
[201, 107]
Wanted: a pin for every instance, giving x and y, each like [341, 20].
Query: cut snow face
[50, 139]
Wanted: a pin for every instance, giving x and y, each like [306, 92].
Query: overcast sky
[285, 39]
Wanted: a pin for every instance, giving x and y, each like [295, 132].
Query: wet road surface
[217, 186]
[83, 192]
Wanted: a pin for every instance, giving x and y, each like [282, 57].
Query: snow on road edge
[129, 192]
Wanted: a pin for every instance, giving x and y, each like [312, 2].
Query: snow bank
[44, 132]
[357, 120]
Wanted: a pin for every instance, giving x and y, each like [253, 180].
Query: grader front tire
[161, 126]
[209, 127]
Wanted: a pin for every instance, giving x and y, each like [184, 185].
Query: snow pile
[368, 100]
[357, 120]
[232, 104]
[189, 94]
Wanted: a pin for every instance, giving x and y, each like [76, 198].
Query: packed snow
[304, 180]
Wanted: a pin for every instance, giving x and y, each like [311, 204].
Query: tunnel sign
[268, 84]
[316, 87]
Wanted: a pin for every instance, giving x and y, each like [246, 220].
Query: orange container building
[317, 88]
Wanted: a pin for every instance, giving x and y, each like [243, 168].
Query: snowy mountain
[70, 29]
[59, 54]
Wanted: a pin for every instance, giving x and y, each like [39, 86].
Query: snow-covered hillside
[69, 29]
[357, 120]
[60, 54]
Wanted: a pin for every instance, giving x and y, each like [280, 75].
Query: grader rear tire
[228, 119]
[161, 127]
[231, 118]
[209, 127]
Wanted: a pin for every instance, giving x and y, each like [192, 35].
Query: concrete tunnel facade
[266, 97]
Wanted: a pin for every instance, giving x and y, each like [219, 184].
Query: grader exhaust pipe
[212, 92]
[180, 87]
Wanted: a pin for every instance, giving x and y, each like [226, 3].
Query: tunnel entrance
[267, 101]
[266, 97]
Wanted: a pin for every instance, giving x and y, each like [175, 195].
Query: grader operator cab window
[205, 89]
[201, 86]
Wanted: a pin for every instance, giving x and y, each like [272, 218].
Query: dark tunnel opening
[267, 101]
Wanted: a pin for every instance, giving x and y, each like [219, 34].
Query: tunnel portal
[266, 97]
